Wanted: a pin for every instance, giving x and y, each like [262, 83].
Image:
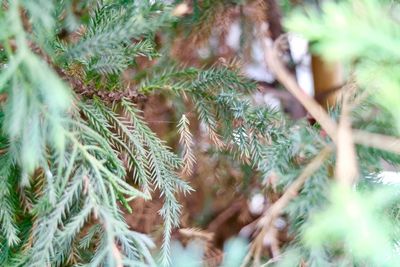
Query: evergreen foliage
[65, 158]
[75, 148]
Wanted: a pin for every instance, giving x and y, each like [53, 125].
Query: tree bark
[328, 79]
[274, 17]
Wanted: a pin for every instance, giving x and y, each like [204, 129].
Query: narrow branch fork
[266, 221]
[379, 141]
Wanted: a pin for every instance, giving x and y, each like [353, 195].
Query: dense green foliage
[75, 148]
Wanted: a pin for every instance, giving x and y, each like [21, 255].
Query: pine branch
[8, 227]
[186, 140]
[206, 117]
[112, 27]
[162, 166]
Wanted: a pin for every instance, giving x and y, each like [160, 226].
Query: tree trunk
[328, 79]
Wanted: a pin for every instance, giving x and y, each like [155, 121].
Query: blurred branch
[346, 160]
[274, 17]
[379, 141]
[269, 216]
[225, 215]
[287, 79]
[3, 97]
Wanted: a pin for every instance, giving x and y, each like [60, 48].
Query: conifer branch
[186, 140]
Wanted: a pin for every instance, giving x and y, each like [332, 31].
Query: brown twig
[196, 233]
[346, 171]
[380, 141]
[287, 79]
[225, 215]
[3, 97]
[89, 91]
[388, 143]
[267, 219]
[77, 85]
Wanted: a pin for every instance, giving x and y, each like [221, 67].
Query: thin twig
[225, 215]
[277, 208]
[196, 233]
[375, 140]
[388, 143]
[3, 97]
[346, 164]
[287, 79]
[294, 188]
